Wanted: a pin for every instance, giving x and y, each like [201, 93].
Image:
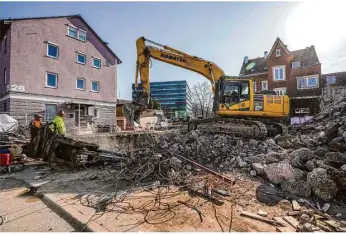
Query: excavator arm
[168, 55]
[174, 57]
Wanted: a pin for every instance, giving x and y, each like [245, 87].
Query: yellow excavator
[238, 109]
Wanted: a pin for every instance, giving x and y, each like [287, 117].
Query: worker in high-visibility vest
[35, 126]
[58, 124]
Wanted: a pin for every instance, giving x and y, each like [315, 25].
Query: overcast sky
[222, 32]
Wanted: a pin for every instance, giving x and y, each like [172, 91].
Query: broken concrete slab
[279, 172]
[296, 206]
[262, 213]
[322, 186]
[296, 187]
[326, 207]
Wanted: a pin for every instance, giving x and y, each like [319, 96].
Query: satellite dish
[250, 66]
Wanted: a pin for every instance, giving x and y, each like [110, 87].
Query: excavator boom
[174, 57]
[168, 55]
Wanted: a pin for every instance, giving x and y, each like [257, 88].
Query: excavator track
[246, 128]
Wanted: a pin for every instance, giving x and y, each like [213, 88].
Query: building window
[331, 80]
[307, 82]
[264, 85]
[72, 31]
[96, 63]
[296, 64]
[52, 50]
[95, 86]
[302, 110]
[5, 107]
[5, 76]
[81, 58]
[278, 52]
[51, 110]
[52, 80]
[82, 35]
[279, 73]
[80, 84]
[280, 90]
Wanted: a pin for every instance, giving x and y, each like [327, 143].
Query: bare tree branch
[202, 98]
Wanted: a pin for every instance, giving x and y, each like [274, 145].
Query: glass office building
[174, 96]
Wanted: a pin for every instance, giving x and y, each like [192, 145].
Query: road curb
[77, 224]
[72, 220]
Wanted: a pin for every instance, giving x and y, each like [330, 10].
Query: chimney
[265, 54]
[246, 59]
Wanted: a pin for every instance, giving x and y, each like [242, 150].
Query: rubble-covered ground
[308, 163]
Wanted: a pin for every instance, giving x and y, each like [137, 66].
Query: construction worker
[34, 126]
[58, 124]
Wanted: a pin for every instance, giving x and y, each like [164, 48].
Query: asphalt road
[26, 213]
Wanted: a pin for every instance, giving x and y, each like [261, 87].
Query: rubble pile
[147, 166]
[309, 161]
[326, 128]
[16, 135]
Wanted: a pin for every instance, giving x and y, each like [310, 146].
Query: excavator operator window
[244, 95]
[231, 93]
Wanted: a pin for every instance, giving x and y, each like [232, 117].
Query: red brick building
[294, 73]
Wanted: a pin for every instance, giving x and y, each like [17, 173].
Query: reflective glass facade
[174, 95]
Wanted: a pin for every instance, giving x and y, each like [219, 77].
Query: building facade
[174, 97]
[57, 63]
[294, 73]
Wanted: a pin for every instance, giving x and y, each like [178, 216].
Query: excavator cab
[230, 92]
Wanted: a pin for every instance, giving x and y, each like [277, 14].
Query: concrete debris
[253, 173]
[283, 142]
[37, 177]
[285, 205]
[259, 168]
[15, 168]
[299, 174]
[322, 186]
[296, 206]
[310, 165]
[296, 187]
[262, 213]
[279, 172]
[326, 207]
[221, 192]
[335, 159]
[304, 218]
[301, 200]
[343, 167]
[300, 157]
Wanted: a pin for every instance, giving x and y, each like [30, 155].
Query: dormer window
[278, 52]
[296, 64]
